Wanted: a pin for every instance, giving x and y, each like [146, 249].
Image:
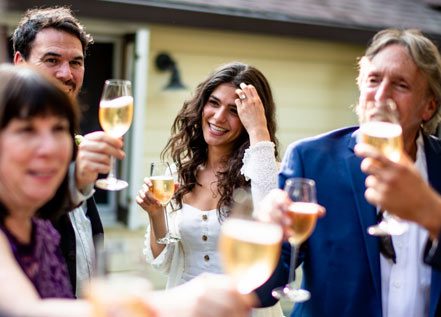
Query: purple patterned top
[42, 261]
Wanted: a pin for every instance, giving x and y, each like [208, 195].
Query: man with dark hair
[55, 42]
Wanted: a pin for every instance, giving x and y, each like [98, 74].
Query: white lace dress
[196, 252]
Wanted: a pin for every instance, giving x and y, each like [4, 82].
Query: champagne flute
[249, 249]
[115, 116]
[303, 215]
[380, 128]
[163, 188]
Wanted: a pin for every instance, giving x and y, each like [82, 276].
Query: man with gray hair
[54, 41]
[347, 271]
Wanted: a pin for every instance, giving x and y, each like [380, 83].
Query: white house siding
[313, 82]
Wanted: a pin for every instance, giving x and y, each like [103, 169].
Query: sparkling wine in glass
[303, 215]
[381, 129]
[249, 249]
[163, 188]
[115, 116]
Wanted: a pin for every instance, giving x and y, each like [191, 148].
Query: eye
[26, 129]
[213, 102]
[62, 126]
[372, 80]
[233, 110]
[76, 64]
[51, 61]
[402, 85]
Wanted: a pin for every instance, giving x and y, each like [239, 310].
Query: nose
[64, 72]
[384, 91]
[47, 144]
[220, 114]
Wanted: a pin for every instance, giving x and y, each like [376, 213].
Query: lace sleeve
[259, 166]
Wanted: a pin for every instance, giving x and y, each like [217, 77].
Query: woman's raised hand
[252, 113]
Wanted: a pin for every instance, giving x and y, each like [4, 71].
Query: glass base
[390, 227]
[291, 294]
[111, 184]
[168, 239]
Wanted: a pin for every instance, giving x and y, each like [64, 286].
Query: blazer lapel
[435, 292]
[432, 148]
[367, 213]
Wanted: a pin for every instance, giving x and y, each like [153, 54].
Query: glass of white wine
[303, 215]
[115, 116]
[163, 188]
[249, 249]
[381, 129]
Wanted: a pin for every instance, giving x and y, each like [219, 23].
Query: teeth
[42, 174]
[218, 129]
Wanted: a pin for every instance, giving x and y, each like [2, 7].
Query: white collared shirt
[84, 247]
[405, 286]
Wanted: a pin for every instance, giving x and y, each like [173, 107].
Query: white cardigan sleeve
[171, 260]
[259, 166]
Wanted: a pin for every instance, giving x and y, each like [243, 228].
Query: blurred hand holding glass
[380, 128]
[303, 215]
[115, 116]
[120, 295]
[249, 249]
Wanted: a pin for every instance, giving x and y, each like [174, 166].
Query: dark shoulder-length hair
[188, 148]
[25, 93]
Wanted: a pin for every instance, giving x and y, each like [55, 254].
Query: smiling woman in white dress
[222, 139]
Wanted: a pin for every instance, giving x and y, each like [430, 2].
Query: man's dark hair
[35, 20]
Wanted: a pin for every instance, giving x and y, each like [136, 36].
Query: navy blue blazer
[341, 261]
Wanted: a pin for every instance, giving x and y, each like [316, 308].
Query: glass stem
[112, 170]
[292, 266]
[164, 209]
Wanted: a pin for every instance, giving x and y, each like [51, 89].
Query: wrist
[259, 135]
[155, 216]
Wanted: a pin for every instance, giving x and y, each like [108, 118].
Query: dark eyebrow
[79, 58]
[218, 101]
[214, 97]
[53, 54]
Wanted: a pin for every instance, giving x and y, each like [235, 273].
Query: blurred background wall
[307, 49]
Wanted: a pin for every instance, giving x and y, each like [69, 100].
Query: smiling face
[60, 55]
[221, 125]
[392, 74]
[34, 157]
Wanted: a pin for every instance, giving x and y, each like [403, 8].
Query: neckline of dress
[195, 208]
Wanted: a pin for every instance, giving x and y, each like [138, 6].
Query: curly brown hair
[187, 146]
